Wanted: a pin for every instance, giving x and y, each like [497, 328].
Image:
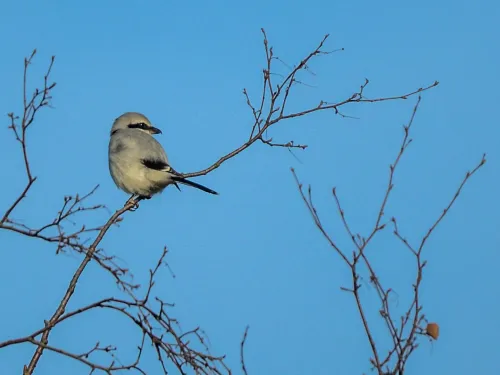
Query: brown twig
[71, 287]
[38, 100]
[274, 100]
[414, 312]
[242, 351]
[404, 335]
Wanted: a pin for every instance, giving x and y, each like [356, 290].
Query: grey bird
[137, 162]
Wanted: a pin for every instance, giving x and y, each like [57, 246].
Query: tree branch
[274, 102]
[404, 336]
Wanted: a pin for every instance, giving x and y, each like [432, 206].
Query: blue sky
[252, 255]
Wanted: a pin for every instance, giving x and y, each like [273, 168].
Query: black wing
[156, 164]
[160, 165]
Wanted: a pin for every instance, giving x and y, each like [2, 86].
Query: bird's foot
[132, 202]
[135, 201]
[135, 206]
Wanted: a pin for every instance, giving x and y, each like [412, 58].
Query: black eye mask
[139, 125]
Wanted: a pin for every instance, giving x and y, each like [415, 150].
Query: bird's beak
[155, 130]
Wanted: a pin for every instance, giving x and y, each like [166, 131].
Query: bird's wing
[162, 166]
[158, 165]
[154, 157]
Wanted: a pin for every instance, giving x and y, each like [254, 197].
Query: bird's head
[134, 120]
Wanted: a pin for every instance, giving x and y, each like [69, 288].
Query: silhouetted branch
[242, 351]
[274, 98]
[39, 99]
[404, 334]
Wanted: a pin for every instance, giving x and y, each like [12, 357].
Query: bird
[138, 163]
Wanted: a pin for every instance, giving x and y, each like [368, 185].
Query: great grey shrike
[137, 162]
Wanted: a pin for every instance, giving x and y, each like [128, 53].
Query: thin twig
[242, 351]
[403, 336]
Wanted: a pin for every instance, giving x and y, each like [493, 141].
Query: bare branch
[72, 285]
[274, 100]
[403, 335]
[242, 351]
[39, 99]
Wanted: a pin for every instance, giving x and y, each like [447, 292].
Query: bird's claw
[135, 206]
[133, 203]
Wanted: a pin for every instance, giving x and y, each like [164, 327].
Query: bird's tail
[182, 180]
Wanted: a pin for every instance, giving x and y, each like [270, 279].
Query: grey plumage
[137, 162]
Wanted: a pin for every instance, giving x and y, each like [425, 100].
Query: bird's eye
[139, 125]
